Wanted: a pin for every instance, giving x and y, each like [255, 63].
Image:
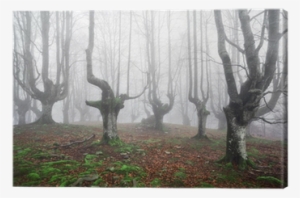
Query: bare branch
[256, 15]
[126, 97]
[262, 33]
[234, 45]
[267, 105]
[269, 122]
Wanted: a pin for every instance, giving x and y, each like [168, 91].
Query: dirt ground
[63, 155]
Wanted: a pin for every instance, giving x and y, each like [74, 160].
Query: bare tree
[52, 92]
[109, 105]
[22, 103]
[243, 105]
[200, 105]
[218, 103]
[159, 109]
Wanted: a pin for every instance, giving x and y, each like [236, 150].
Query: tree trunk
[159, 121]
[46, 117]
[109, 109]
[236, 139]
[109, 125]
[202, 114]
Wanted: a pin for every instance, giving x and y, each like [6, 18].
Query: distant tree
[243, 105]
[22, 103]
[52, 91]
[218, 103]
[159, 109]
[200, 105]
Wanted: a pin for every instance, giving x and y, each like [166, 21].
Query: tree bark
[46, 117]
[159, 121]
[244, 105]
[109, 105]
[52, 92]
[236, 140]
[202, 114]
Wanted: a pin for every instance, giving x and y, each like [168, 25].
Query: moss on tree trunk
[236, 140]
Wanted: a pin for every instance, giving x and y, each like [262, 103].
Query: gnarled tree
[159, 108]
[51, 92]
[200, 105]
[243, 105]
[109, 105]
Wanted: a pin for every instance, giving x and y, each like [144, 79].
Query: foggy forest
[192, 98]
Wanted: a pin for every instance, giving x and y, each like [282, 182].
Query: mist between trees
[191, 67]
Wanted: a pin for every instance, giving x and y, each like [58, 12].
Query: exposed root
[107, 140]
[91, 177]
[242, 164]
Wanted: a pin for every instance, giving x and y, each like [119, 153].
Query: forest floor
[63, 155]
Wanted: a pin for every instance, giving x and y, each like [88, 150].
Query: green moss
[55, 178]
[253, 152]
[49, 171]
[22, 153]
[116, 142]
[41, 155]
[242, 164]
[155, 182]
[270, 179]
[91, 161]
[229, 165]
[97, 104]
[62, 180]
[180, 174]
[33, 176]
[63, 184]
[98, 181]
[231, 177]
[96, 143]
[60, 162]
[22, 167]
[118, 101]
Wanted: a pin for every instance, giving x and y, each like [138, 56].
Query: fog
[117, 44]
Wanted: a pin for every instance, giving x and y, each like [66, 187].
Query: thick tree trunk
[159, 121]
[109, 126]
[236, 140]
[202, 117]
[46, 117]
[109, 109]
[248, 130]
